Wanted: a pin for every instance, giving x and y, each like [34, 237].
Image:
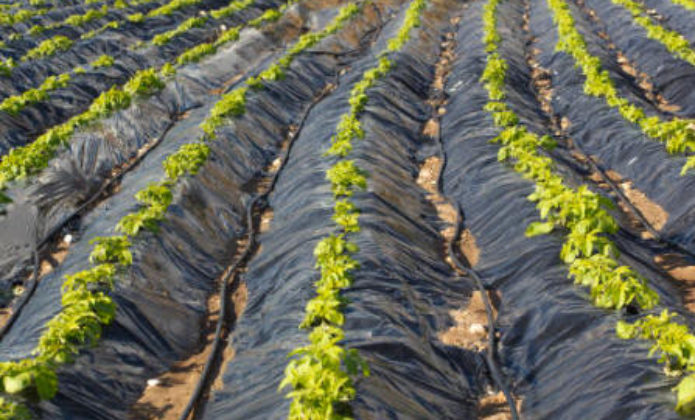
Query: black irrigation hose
[204, 379]
[28, 293]
[492, 363]
[490, 355]
[490, 358]
[26, 296]
[637, 213]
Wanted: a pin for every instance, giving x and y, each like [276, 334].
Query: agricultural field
[369, 209]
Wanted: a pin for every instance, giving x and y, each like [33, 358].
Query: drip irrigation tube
[490, 355]
[495, 371]
[637, 213]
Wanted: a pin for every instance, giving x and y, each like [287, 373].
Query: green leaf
[686, 395]
[539, 228]
[4, 199]
[17, 383]
[46, 383]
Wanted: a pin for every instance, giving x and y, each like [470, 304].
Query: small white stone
[152, 382]
[67, 239]
[476, 328]
[223, 27]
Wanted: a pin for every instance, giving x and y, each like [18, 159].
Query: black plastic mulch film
[83, 88]
[559, 353]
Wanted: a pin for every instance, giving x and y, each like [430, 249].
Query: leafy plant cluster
[89, 16]
[14, 104]
[230, 9]
[7, 6]
[674, 345]
[6, 66]
[114, 24]
[171, 7]
[195, 54]
[11, 410]
[86, 305]
[165, 37]
[411, 20]
[678, 135]
[85, 308]
[588, 251]
[321, 376]
[103, 61]
[48, 48]
[675, 42]
[581, 213]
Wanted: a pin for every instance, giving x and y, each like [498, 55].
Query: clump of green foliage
[144, 83]
[90, 15]
[48, 48]
[231, 8]
[185, 26]
[171, 7]
[103, 61]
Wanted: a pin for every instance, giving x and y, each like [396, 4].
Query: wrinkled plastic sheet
[618, 144]
[84, 88]
[78, 171]
[402, 293]
[671, 76]
[162, 298]
[561, 353]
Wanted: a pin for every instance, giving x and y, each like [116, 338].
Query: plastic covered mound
[558, 354]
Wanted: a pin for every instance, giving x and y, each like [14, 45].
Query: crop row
[678, 135]
[583, 216]
[321, 377]
[674, 41]
[27, 160]
[86, 304]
